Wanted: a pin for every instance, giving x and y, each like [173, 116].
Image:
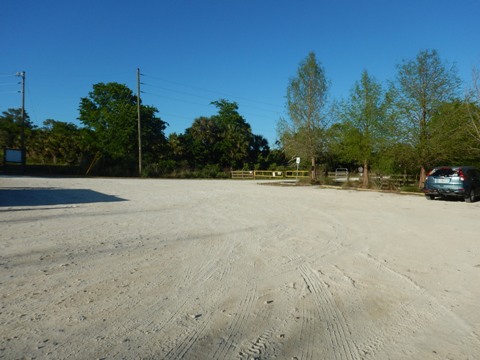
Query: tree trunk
[313, 170]
[421, 181]
[365, 174]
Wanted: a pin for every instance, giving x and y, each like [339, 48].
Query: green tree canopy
[58, 142]
[474, 110]
[364, 123]
[302, 134]
[223, 140]
[110, 110]
[235, 134]
[450, 132]
[11, 128]
[421, 86]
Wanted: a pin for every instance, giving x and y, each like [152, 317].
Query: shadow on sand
[52, 196]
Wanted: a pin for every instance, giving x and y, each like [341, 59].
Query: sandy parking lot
[164, 269]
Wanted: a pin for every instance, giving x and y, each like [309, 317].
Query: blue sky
[193, 52]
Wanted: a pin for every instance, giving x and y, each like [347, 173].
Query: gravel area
[94, 268]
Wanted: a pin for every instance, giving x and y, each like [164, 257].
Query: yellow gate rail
[297, 174]
[243, 175]
[269, 174]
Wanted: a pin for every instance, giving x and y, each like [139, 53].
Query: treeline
[418, 120]
[415, 121]
[107, 144]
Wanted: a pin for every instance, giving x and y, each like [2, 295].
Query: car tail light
[428, 174]
[460, 174]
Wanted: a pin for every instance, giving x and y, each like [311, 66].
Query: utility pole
[139, 126]
[22, 75]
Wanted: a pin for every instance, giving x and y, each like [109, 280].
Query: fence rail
[297, 174]
[269, 174]
[265, 174]
[382, 181]
[242, 175]
[393, 182]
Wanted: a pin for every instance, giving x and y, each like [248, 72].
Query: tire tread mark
[405, 318]
[206, 272]
[308, 333]
[236, 325]
[337, 327]
[186, 344]
[258, 347]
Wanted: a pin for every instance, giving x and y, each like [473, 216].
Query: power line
[162, 113]
[31, 109]
[177, 91]
[10, 91]
[175, 99]
[265, 113]
[211, 91]
[203, 97]
[199, 104]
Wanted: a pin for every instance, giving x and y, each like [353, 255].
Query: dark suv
[453, 181]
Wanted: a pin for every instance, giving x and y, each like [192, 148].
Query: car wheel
[429, 197]
[471, 197]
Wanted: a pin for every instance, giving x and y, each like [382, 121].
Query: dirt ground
[192, 269]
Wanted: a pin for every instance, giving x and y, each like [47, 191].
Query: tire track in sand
[258, 347]
[416, 311]
[211, 271]
[236, 326]
[188, 341]
[339, 345]
[145, 321]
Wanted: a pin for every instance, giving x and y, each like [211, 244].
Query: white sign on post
[297, 160]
